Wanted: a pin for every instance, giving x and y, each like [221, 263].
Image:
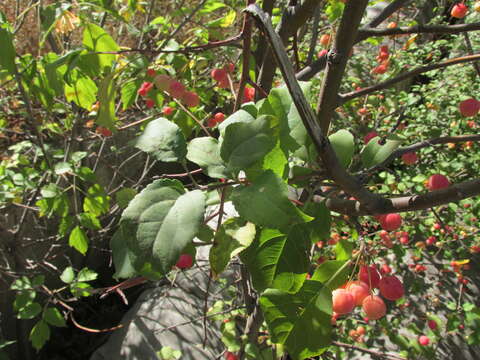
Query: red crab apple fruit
[190, 99]
[219, 74]
[423, 340]
[369, 136]
[369, 275]
[374, 307]
[219, 117]
[409, 158]
[145, 88]
[248, 94]
[359, 291]
[469, 107]
[167, 110]
[176, 89]
[432, 324]
[437, 181]
[391, 222]
[391, 288]
[185, 261]
[103, 131]
[230, 356]
[151, 72]
[343, 301]
[459, 11]
[325, 40]
[150, 103]
[162, 82]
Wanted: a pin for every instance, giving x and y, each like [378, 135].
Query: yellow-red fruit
[391, 222]
[374, 307]
[342, 301]
[219, 74]
[361, 330]
[162, 82]
[391, 288]
[369, 275]
[459, 11]
[437, 181]
[325, 40]
[359, 291]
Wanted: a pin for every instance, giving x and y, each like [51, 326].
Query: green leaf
[230, 336]
[40, 334]
[344, 145]
[89, 220]
[163, 220]
[95, 39]
[68, 275]
[78, 240]
[29, 311]
[343, 249]
[86, 274]
[62, 168]
[233, 237]
[332, 272]
[128, 93]
[319, 228]
[82, 92]
[205, 152]
[121, 256]
[53, 317]
[300, 321]
[124, 196]
[240, 116]
[106, 97]
[167, 353]
[278, 261]
[164, 140]
[97, 201]
[7, 59]
[23, 298]
[246, 143]
[374, 153]
[266, 203]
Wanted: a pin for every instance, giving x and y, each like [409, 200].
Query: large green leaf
[205, 152]
[106, 96]
[160, 222]
[40, 334]
[95, 39]
[7, 58]
[300, 321]
[246, 143]
[121, 256]
[319, 228]
[82, 92]
[164, 140]
[240, 116]
[278, 261]
[374, 153]
[234, 236]
[344, 145]
[266, 203]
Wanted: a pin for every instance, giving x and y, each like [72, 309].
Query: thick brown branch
[386, 84]
[428, 200]
[337, 61]
[418, 29]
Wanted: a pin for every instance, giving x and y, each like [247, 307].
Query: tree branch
[387, 12]
[368, 351]
[422, 69]
[365, 33]
[337, 61]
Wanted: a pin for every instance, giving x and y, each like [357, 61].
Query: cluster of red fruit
[383, 60]
[216, 119]
[360, 293]
[469, 107]
[223, 81]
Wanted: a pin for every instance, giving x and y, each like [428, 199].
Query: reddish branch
[420, 70]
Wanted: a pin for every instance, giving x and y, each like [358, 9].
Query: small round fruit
[391, 222]
[150, 103]
[469, 107]
[162, 82]
[322, 53]
[409, 158]
[167, 110]
[190, 99]
[342, 301]
[437, 182]
[359, 291]
[185, 261]
[423, 340]
[369, 137]
[219, 117]
[391, 288]
[176, 89]
[361, 330]
[230, 356]
[369, 275]
[459, 11]
[219, 74]
[374, 307]
[432, 324]
[325, 40]
[145, 88]
[248, 94]
[151, 72]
